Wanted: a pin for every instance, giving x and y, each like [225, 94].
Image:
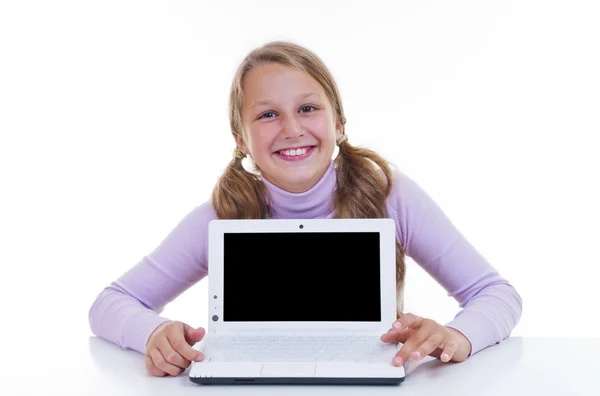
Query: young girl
[287, 116]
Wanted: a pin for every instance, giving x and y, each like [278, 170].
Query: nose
[292, 127]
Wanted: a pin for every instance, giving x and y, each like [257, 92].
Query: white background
[114, 125]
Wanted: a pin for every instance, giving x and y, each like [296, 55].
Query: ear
[239, 140]
[339, 130]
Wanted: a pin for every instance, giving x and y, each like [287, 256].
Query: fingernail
[398, 361]
[200, 357]
[416, 355]
[398, 326]
[445, 357]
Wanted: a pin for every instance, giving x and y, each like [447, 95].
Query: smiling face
[288, 126]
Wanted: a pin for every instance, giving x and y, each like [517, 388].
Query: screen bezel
[387, 240]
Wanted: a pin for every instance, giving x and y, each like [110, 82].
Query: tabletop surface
[517, 366]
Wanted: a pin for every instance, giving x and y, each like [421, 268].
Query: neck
[316, 202]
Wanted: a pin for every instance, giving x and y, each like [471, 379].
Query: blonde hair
[361, 191]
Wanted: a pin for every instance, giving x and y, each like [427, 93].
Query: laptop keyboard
[300, 348]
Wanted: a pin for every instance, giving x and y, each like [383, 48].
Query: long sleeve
[491, 307]
[128, 310]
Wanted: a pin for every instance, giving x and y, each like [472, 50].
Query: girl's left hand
[422, 337]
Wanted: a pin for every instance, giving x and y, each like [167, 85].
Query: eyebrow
[303, 96]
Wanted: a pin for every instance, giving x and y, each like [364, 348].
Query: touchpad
[288, 369]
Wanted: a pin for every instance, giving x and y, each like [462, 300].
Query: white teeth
[293, 153]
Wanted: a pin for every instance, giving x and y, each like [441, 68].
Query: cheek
[320, 126]
[261, 138]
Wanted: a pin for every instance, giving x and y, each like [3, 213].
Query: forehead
[273, 80]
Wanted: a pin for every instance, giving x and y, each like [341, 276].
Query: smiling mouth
[298, 152]
[295, 155]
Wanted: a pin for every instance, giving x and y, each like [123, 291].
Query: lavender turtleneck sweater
[128, 310]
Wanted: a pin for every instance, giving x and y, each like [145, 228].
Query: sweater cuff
[473, 327]
[138, 329]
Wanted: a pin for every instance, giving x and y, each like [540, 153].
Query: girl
[286, 115]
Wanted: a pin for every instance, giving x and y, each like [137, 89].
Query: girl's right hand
[169, 348]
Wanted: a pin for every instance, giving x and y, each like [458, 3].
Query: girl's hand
[169, 348]
[422, 337]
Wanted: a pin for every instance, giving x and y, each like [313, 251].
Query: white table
[518, 366]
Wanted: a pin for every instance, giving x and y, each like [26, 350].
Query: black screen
[301, 276]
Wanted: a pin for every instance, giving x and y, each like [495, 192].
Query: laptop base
[295, 381]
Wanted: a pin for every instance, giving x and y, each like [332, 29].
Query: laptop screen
[302, 276]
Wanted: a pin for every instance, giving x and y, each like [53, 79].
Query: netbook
[300, 302]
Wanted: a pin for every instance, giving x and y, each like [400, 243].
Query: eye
[307, 108]
[266, 115]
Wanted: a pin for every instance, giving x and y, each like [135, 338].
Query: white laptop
[300, 302]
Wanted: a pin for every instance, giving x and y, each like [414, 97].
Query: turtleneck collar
[314, 203]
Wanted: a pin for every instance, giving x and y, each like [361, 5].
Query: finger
[160, 362]
[192, 336]
[390, 336]
[411, 344]
[152, 369]
[428, 346]
[449, 350]
[408, 320]
[184, 353]
[396, 336]
[169, 353]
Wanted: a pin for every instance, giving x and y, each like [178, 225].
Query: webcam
[301, 226]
